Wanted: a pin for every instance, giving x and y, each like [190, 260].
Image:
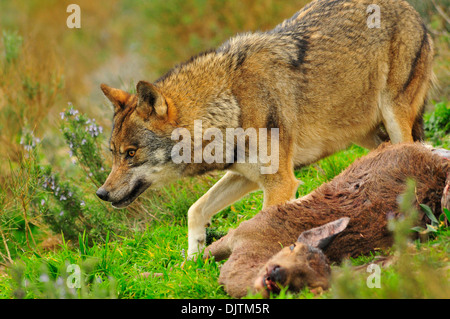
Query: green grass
[115, 269]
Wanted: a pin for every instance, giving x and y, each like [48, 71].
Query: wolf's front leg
[231, 187]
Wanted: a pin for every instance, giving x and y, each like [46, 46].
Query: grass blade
[427, 210]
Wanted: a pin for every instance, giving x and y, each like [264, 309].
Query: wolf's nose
[103, 194]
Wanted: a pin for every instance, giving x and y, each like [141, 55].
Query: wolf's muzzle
[103, 194]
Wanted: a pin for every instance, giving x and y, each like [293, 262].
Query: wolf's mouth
[137, 190]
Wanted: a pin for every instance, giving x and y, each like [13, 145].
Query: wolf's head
[140, 143]
[301, 264]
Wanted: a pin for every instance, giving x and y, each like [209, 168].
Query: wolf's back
[344, 15]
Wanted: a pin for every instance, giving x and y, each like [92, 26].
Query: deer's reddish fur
[367, 192]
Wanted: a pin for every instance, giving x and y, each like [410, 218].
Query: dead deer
[345, 217]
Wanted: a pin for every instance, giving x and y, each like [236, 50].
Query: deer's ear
[322, 236]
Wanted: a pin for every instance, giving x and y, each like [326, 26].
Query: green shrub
[437, 125]
[12, 43]
[38, 197]
[84, 137]
[69, 204]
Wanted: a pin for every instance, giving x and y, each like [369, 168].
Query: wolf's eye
[131, 153]
[291, 247]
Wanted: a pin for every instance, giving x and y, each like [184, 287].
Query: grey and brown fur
[366, 193]
[323, 77]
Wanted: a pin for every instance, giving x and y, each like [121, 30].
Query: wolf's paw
[196, 242]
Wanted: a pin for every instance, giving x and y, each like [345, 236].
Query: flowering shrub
[84, 136]
[63, 206]
[28, 140]
[69, 205]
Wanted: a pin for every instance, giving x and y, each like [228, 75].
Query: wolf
[325, 78]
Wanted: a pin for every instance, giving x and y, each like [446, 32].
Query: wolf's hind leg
[407, 87]
[227, 190]
[397, 121]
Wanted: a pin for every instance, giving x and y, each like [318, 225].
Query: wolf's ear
[150, 98]
[117, 97]
[322, 236]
